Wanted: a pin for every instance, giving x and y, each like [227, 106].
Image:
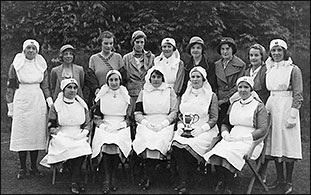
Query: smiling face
[196, 50]
[277, 53]
[70, 91]
[30, 52]
[196, 80]
[244, 90]
[107, 44]
[156, 79]
[139, 44]
[114, 81]
[68, 56]
[167, 50]
[226, 51]
[255, 57]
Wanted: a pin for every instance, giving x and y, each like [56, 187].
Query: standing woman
[27, 96]
[188, 152]
[66, 70]
[284, 81]
[112, 138]
[69, 126]
[136, 65]
[172, 66]
[107, 59]
[156, 109]
[197, 49]
[228, 69]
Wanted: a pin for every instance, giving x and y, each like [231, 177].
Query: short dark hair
[158, 73]
[110, 76]
[106, 34]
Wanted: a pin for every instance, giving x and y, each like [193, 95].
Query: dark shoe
[82, 187]
[146, 185]
[114, 185]
[36, 172]
[276, 185]
[219, 187]
[22, 174]
[227, 191]
[74, 188]
[105, 188]
[288, 189]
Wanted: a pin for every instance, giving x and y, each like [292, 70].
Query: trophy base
[187, 134]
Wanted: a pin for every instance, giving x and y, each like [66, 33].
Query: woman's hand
[197, 131]
[54, 130]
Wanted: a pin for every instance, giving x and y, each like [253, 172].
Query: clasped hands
[155, 127]
[196, 131]
[113, 130]
[227, 137]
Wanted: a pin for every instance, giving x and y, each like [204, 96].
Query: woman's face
[196, 50]
[167, 50]
[68, 56]
[70, 91]
[107, 44]
[114, 82]
[139, 44]
[255, 57]
[155, 80]
[196, 80]
[277, 53]
[244, 90]
[30, 52]
[226, 51]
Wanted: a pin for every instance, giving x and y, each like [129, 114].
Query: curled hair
[106, 34]
[188, 48]
[157, 72]
[261, 49]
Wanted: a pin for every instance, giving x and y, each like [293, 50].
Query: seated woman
[112, 137]
[198, 99]
[155, 110]
[246, 121]
[69, 126]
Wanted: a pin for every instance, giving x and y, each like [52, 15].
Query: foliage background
[54, 23]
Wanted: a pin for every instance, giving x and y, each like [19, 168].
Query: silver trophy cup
[188, 119]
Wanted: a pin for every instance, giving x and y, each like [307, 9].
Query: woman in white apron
[112, 138]
[284, 81]
[27, 96]
[198, 99]
[69, 126]
[246, 121]
[172, 66]
[155, 111]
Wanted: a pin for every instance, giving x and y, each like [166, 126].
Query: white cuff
[49, 100]
[102, 126]
[224, 133]
[206, 127]
[10, 106]
[85, 132]
[165, 123]
[144, 122]
[248, 138]
[293, 113]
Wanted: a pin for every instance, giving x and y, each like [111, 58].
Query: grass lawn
[160, 184]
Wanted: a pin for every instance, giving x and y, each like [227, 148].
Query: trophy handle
[196, 117]
[180, 117]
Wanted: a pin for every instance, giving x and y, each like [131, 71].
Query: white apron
[156, 105]
[200, 143]
[114, 111]
[241, 117]
[29, 124]
[282, 141]
[64, 145]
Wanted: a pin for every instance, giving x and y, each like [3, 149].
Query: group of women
[144, 104]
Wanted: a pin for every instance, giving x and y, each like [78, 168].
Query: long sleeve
[180, 76]
[297, 87]
[260, 121]
[44, 85]
[53, 79]
[12, 84]
[53, 119]
[98, 116]
[213, 111]
[87, 123]
[139, 108]
[173, 107]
